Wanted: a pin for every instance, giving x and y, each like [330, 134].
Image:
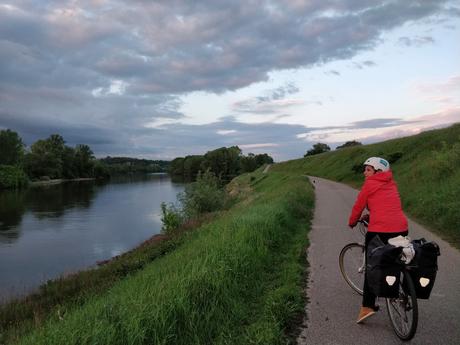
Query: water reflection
[12, 207]
[48, 231]
[52, 202]
[43, 202]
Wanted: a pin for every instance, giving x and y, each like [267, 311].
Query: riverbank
[58, 181]
[59, 296]
[236, 279]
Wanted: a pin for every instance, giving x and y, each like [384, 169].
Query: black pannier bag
[424, 267]
[383, 268]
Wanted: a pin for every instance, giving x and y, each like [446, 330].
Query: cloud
[112, 73]
[378, 123]
[450, 85]
[363, 64]
[376, 130]
[272, 101]
[438, 120]
[415, 41]
[226, 131]
[116, 87]
[443, 92]
[156, 47]
[258, 146]
[332, 72]
[278, 140]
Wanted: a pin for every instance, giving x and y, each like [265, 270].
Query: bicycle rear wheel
[352, 266]
[403, 310]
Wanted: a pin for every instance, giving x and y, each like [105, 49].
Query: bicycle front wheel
[353, 266]
[403, 310]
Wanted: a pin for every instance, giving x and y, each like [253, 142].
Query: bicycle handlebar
[364, 222]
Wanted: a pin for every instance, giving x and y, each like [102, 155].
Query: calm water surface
[53, 230]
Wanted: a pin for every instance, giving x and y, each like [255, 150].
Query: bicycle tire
[352, 266]
[403, 310]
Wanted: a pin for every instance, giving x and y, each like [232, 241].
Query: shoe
[364, 313]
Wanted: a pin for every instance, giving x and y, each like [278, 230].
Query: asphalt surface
[333, 307]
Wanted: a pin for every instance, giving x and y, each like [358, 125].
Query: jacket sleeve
[358, 207]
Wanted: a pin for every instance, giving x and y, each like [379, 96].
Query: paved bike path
[333, 307]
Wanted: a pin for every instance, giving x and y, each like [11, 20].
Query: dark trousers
[368, 296]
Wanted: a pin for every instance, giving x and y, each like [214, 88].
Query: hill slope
[425, 166]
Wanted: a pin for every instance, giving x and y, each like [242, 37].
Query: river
[53, 230]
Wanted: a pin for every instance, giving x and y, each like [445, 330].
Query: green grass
[236, 280]
[427, 174]
[57, 297]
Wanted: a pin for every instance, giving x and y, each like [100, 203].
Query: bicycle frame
[402, 310]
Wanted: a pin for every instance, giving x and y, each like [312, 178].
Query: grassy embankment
[58, 296]
[235, 280]
[427, 172]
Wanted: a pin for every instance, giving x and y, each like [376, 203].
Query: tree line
[224, 162]
[128, 165]
[51, 158]
[321, 147]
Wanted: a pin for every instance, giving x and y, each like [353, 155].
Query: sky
[163, 79]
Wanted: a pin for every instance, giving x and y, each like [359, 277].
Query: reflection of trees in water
[180, 179]
[11, 210]
[138, 178]
[53, 201]
[43, 202]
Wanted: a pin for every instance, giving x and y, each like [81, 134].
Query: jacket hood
[382, 176]
[377, 181]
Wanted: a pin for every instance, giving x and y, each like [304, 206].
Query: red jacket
[381, 197]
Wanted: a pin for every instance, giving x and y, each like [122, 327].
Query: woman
[381, 197]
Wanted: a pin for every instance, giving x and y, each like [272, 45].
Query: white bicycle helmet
[378, 163]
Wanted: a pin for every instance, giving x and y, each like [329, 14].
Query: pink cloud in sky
[451, 85]
[257, 146]
[412, 126]
[419, 124]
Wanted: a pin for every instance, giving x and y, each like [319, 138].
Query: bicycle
[402, 310]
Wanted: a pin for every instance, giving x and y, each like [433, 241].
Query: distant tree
[177, 166]
[223, 162]
[56, 144]
[69, 169]
[45, 157]
[251, 162]
[13, 177]
[318, 148]
[248, 163]
[262, 159]
[125, 165]
[84, 160]
[192, 166]
[11, 148]
[101, 170]
[349, 144]
[50, 157]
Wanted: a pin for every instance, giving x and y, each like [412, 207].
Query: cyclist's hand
[365, 218]
[352, 225]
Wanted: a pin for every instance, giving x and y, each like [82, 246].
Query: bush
[358, 168]
[171, 218]
[12, 177]
[394, 157]
[349, 144]
[203, 196]
[317, 149]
